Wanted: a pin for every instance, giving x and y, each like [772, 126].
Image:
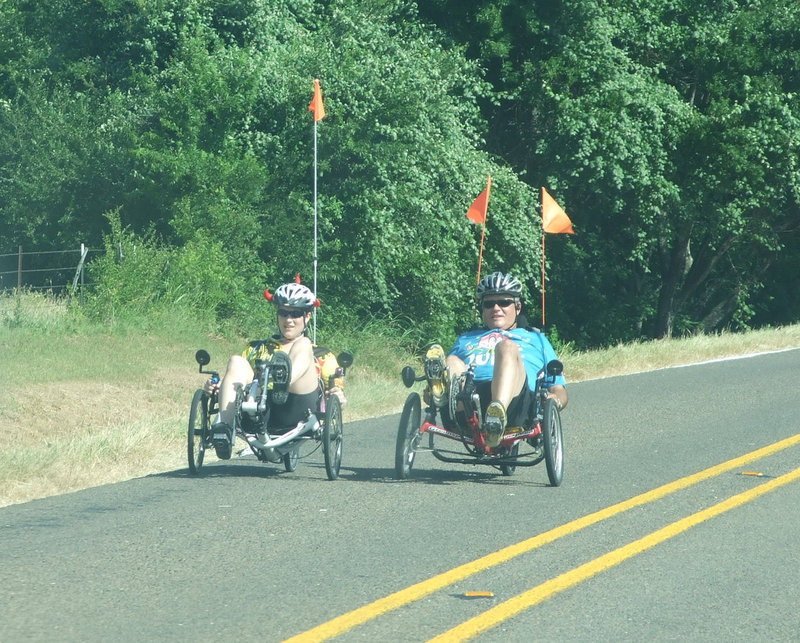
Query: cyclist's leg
[299, 365]
[455, 365]
[509, 373]
[240, 372]
[306, 381]
[453, 413]
[507, 383]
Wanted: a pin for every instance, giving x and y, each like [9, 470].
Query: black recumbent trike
[322, 425]
[460, 420]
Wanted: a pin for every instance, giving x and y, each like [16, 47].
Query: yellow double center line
[347, 621]
[513, 606]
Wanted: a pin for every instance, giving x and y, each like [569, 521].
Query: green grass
[96, 403]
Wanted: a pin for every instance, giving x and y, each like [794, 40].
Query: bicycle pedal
[279, 374]
[434, 370]
[435, 363]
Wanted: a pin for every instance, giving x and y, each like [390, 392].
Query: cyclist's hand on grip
[211, 386]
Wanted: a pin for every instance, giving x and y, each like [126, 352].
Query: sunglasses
[294, 314]
[503, 303]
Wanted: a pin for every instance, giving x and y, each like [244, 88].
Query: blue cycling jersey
[476, 348]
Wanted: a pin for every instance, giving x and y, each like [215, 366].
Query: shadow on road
[452, 476]
[251, 468]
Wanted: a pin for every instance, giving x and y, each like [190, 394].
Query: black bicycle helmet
[499, 283]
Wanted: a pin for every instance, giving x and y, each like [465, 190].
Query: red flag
[317, 106]
[554, 219]
[477, 211]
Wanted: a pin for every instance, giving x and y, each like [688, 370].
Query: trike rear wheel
[198, 431]
[509, 469]
[408, 436]
[553, 440]
[290, 460]
[332, 437]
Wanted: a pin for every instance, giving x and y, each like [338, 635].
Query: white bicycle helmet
[294, 295]
[499, 283]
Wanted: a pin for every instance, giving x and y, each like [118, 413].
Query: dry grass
[647, 356]
[86, 407]
[76, 434]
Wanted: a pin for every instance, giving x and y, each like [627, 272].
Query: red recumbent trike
[461, 420]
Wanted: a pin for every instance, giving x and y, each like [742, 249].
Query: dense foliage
[176, 134]
[669, 130]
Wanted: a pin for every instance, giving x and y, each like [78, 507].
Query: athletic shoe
[494, 424]
[221, 437]
[437, 375]
[280, 375]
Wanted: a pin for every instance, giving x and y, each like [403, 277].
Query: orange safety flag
[554, 219]
[477, 211]
[317, 106]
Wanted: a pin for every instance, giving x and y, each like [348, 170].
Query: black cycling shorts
[519, 412]
[286, 416]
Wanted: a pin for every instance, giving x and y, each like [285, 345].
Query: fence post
[83, 272]
[19, 270]
[79, 271]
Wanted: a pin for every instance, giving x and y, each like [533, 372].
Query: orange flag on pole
[477, 211]
[477, 214]
[317, 106]
[554, 219]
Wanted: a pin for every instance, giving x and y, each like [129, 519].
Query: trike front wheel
[197, 436]
[509, 469]
[553, 440]
[408, 435]
[290, 460]
[332, 437]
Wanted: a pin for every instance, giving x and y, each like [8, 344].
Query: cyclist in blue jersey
[506, 356]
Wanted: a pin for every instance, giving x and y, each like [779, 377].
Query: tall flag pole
[317, 107]
[554, 221]
[477, 214]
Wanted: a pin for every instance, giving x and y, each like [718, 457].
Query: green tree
[668, 132]
[193, 127]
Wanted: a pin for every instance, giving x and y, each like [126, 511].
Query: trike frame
[527, 446]
[322, 425]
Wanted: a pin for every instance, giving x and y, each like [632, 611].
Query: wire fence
[56, 271]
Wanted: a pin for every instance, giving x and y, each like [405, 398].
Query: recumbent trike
[461, 421]
[322, 425]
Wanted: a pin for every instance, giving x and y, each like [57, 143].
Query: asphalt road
[633, 546]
